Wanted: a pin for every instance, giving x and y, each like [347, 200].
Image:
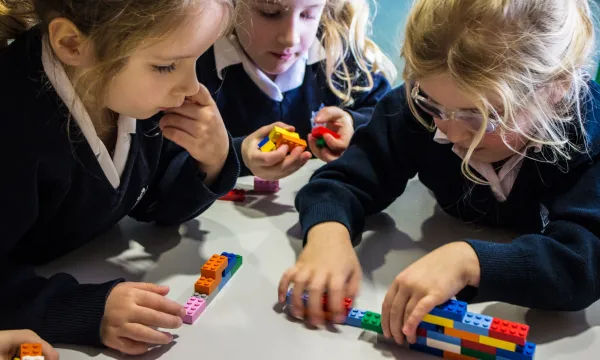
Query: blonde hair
[116, 28]
[528, 54]
[346, 26]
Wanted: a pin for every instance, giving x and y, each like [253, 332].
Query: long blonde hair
[523, 52]
[346, 26]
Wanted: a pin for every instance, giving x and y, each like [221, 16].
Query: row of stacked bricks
[280, 136]
[451, 332]
[214, 275]
[30, 352]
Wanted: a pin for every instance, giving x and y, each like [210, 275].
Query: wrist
[330, 232]
[471, 266]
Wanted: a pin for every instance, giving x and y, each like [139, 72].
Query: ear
[70, 46]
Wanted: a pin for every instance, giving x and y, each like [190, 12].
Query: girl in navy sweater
[76, 161]
[497, 89]
[290, 62]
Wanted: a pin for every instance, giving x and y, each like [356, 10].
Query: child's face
[492, 147]
[161, 75]
[276, 33]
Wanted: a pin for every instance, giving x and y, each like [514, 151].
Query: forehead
[444, 91]
[290, 3]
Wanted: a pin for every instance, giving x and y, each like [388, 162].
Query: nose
[289, 34]
[188, 85]
[457, 132]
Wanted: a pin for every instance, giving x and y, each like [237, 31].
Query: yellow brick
[500, 344]
[269, 146]
[436, 320]
[276, 133]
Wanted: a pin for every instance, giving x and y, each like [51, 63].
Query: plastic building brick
[39, 357]
[454, 356]
[214, 267]
[436, 320]
[443, 337]
[320, 131]
[29, 349]
[265, 186]
[372, 321]
[320, 143]
[442, 345]
[426, 349]
[193, 308]
[291, 141]
[500, 344]
[475, 323]
[432, 327]
[464, 335]
[476, 345]
[422, 340]
[509, 331]
[355, 317]
[238, 264]
[526, 352]
[477, 354]
[224, 280]
[266, 145]
[421, 332]
[205, 285]
[231, 260]
[451, 309]
[234, 195]
[277, 132]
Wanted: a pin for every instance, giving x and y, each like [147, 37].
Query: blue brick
[426, 349]
[501, 358]
[231, 260]
[354, 317]
[526, 352]
[263, 142]
[475, 323]
[224, 280]
[431, 327]
[451, 309]
[443, 337]
[421, 340]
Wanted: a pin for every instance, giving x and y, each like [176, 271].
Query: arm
[178, 192]
[372, 172]
[555, 270]
[364, 104]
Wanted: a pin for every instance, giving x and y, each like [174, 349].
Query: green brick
[477, 354]
[321, 143]
[372, 321]
[238, 263]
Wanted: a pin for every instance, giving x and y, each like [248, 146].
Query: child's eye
[308, 16]
[164, 69]
[269, 14]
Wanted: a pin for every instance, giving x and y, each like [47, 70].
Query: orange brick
[291, 142]
[206, 285]
[461, 334]
[31, 350]
[214, 267]
[455, 356]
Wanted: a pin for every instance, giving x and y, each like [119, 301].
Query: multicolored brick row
[214, 275]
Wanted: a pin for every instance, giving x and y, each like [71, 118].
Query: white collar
[112, 168]
[441, 138]
[228, 52]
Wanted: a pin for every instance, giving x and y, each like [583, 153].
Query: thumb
[328, 114]
[157, 289]
[202, 97]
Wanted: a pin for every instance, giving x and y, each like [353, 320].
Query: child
[288, 61]
[11, 340]
[76, 161]
[500, 84]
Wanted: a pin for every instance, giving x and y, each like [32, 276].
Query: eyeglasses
[473, 119]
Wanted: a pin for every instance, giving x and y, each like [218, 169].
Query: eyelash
[164, 69]
[275, 15]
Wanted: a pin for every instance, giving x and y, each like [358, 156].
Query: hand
[276, 164]
[11, 340]
[329, 264]
[428, 282]
[339, 121]
[197, 126]
[132, 311]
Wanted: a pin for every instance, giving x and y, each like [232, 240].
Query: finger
[144, 334]
[335, 294]
[316, 289]
[385, 309]
[423, 307]
[312, 145]
[158, 303]
[284, 284]
[271, 158]
[330, 113]
[154, 318]
[180, 138]
[354, 283]
[397, 315]
[301, 280]
[203, 97]
[328, 156]
[187, 125]
[410, 306]
[189, 109]
[157, 289]
[129, 347]
[335, 145]
[294, 161]
[49, 352]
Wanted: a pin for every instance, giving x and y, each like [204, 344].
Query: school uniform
[248, 99]
[554, 263]
[60, 188]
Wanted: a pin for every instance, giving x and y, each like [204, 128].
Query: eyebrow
[279, 3]
[174, 58]
[429, 97]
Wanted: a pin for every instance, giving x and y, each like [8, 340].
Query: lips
[286, 55]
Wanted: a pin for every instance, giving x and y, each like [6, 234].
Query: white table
[243, 322]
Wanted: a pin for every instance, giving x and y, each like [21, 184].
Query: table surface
[244, 321]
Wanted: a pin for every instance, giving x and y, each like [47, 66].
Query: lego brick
[355, 317]
[426, 349]
[477, 354]
[443, 337]
[277, 132]
[213, 267]
[500, 344]
[461, 334]
[346, 304]
[509, 331]
[432, 327]
[39, 357]
[224, 280]
[234, 195]
[231, 260]
[268, 146]
[442, 345]
[319, 131]
[238, 263]
[454, 356]
[321, 143]
[526, 352]
[289, 297]
[193, 308]
[291, 142]
[475, 323]
[372, 321]
[436, 320]
[30, 349]
[422, 340]
[476, 345]
[263, 141]
[265, 186]
[206, 285]
[451, 309]
[421, 332]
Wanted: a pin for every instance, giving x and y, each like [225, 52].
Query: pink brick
[193, 308]
[261, 185]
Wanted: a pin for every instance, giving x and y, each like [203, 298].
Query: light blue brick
[354, 317]
[443, 337]
[475, 323]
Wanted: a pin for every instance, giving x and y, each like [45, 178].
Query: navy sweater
[554, 264]
[246, 108]
[54, 197]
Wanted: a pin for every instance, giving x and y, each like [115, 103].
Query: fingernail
[182, 313]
